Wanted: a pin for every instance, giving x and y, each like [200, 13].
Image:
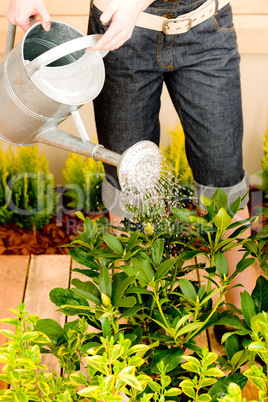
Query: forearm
[123, 15]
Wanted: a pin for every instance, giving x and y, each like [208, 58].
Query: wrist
[144, 4]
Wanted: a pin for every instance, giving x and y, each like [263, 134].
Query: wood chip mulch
[21, 241]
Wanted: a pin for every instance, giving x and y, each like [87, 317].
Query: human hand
[124, 15]
[20, 11]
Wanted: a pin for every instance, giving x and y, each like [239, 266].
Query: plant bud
[106, 301]
[149, 229]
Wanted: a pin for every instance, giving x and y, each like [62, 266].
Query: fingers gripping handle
[60, 51]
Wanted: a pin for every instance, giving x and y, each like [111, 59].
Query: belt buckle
[178, 30]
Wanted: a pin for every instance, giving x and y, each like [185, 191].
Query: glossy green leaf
[113, 243]
[127, 302]
[132, 311]
[87, 290]
[205, 200]
[106, 327]
[81, 257]
[105, 282]
[157, 251]
[90, 227]
[239, 359]
[119, 291]
[9, 334]
[170, 357]
[172, 392]
[247, 306]
[222, 220]
[132, 242]
[234, 207]
[188, 289]
[190, 254]
[164, 268]
[192, 364]
[49, 327]
[183, 213]
[231, 346]
[219, 389]
[257, 377]
[221, 264]
[220, 198]
[242, 265]
[144, 267]
[260, 294]
[60, 296]
[187, 387]
[198, 219]
[129, 380]
[203, 398]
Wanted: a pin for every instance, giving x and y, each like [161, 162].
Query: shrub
[175, 154]
[27, 195]
[264, 164]
[83, 180]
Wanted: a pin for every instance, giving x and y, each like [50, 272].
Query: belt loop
[216, 7]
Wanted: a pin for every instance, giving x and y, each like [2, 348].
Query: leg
[205, 89]
[246, 277]
[127, 109]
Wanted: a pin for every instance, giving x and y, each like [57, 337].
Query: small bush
[264, 164]
[83, 179]
[27, 195]
[175, 154]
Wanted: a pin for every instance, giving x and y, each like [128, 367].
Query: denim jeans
[201, 71]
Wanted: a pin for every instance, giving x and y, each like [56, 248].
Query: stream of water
[153, 203]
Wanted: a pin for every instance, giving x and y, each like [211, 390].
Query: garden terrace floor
[29, 279]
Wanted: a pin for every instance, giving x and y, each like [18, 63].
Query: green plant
[27, 377]
[257, 244]
[175, 154]
[83, 180]
[206, 374]
[257, 375]
[112, 367]
[264, 164]
[147, 314]
[151, 292]
[27, 195]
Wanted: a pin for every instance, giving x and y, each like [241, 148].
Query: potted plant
[147, 315]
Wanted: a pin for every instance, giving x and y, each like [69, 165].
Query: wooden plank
[12, 284]
[249, 6]
[252, 33]
[68, 7]
[78, 22]
[59, 7]
[47, 272]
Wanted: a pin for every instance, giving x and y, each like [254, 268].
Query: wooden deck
[29, 279]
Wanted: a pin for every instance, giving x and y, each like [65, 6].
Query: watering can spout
[139, 167]
[60, 139]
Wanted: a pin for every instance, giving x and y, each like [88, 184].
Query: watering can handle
[62, 50]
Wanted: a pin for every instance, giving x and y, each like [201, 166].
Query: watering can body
[47, 77]
[34, 103]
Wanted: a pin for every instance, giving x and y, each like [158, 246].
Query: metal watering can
[47, 77]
